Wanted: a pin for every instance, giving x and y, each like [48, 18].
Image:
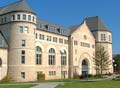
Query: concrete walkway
[47, 85]
[54, 84]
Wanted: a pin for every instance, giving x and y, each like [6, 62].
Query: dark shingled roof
[17, 6]
[73, 28]
[45, 23]
[95, 24]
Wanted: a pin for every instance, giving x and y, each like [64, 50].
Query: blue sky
[70, 12]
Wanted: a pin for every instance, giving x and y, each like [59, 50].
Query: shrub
[41, 77]
[76, 76]
[118, 76]
[5, 79]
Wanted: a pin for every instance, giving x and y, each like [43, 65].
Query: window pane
[23, 42]
[23, 52]
[23, 75]
[23, 59]
[13, 17]
[18, 16]
[24, 17]
[103, 37]
[63, 57]
[51, 57]
[33, 19]
[21, 29]
[26, 30]
[29, 17]
[38, 55]
[41, 26]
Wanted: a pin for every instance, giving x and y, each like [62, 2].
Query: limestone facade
[35, 46]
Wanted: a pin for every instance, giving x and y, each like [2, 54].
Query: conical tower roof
[17, 6]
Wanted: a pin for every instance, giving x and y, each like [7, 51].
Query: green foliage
[76, 76]
[101, 60]
[41, 77]
[6, 79]
[117, 61]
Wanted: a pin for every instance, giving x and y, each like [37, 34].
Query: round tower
[104, 39]
[102, 36]
[19, 30]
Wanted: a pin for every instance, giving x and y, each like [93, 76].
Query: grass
[18, 86]
[100, 84]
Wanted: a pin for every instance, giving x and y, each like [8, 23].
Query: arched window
[0, 62]
[85, 67]
[51, 57]
[63, 57]
[38, 55]
[84, 62]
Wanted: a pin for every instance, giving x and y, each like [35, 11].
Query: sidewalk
[47, 85]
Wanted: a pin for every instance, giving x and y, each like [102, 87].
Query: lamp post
[62, 74]
[115, 65]
[114, 70]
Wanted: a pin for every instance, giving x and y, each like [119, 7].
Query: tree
[116, 59]
[101, 60]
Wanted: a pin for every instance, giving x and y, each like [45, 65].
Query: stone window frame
[38, 55]
[51, 56]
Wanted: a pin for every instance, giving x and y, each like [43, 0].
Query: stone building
[29, 46]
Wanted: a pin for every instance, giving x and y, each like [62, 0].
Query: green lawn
[100, 84]
[17, 86]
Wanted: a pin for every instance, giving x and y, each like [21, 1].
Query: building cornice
[103, 42]
[17, 12]
[101, 31]
[17, 22]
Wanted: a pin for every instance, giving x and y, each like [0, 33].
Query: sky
[71, 12]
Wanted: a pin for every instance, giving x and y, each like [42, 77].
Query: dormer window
[58, 30]
[46, 26]
[51, 28]
[41, 26]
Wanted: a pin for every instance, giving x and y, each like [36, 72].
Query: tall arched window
[0, 62]
[63, 57]
[85, 67]
[51, 57]
[38, 55]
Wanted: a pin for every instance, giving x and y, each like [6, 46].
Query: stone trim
[17, 11]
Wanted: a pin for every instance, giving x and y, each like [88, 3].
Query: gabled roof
[17, 6]
[95, 24]
[73, 28]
